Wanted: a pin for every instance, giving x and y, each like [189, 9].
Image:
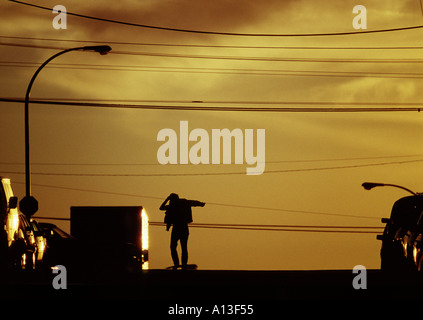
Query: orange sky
[63, 137]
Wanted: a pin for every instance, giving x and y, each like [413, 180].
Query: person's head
[173, 197]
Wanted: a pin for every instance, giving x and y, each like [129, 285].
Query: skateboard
[187, 267]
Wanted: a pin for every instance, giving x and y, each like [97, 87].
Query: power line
[269, 59]
[235, 102]
[226, 225]
[292, 211]
[276, 226]
[208, 203]
[343, 159]
[223, 33]
[239, 71]
[219, 46]
[186, 174]
[158, 164]
[200, 107]
[258, 227]
[31, 46]
[92, 191]
[238, 58]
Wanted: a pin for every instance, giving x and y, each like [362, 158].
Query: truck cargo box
[112, 225]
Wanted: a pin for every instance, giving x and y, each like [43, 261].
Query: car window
[61, 233]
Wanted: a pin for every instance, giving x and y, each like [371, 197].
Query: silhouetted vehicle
[402, 237]
[30, 243]
[22, 244]
[112, 240]
[40, 241]
[62, 248]
[88, 259]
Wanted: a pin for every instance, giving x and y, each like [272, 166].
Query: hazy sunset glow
[98, 154]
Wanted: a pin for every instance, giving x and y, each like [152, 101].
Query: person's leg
[173, 245]
[184, 247]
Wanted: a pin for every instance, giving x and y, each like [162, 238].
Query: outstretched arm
[195, 203]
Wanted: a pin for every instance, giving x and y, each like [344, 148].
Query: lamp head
[371, 185]
[100, 49]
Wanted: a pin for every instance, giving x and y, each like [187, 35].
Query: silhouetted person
[179, 214]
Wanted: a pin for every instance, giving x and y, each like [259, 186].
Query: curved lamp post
[371, 185]
[29, 205]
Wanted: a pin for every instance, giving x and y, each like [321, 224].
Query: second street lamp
[371, 185]
[29, 205]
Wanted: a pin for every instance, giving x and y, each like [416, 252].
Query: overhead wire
[269, 59]
[192, 45]
[279, 229]
[239, 58]
[229, 205]
[277, 225]
[348, 33]
[208, 102]
[196, 174]
[201, 107]
[206, 70]
[158, 164]
[260, 227]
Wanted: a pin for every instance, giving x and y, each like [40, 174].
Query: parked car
[402, 237]
[62, 248]
[21, 242]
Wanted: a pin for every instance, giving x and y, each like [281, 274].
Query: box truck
[116, 236]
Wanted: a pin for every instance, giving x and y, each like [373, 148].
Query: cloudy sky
[315, 161]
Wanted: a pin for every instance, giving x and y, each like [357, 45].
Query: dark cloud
[220, 16]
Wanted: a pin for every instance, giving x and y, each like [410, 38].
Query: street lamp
[371, 185]
[29, 205]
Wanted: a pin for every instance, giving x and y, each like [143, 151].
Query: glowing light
[145, 265]
[405, 245]
[144, 230]
[23, 261]
[13, 215]
[415, 252]
[12, 225]
[144, 239]
[41, 248]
